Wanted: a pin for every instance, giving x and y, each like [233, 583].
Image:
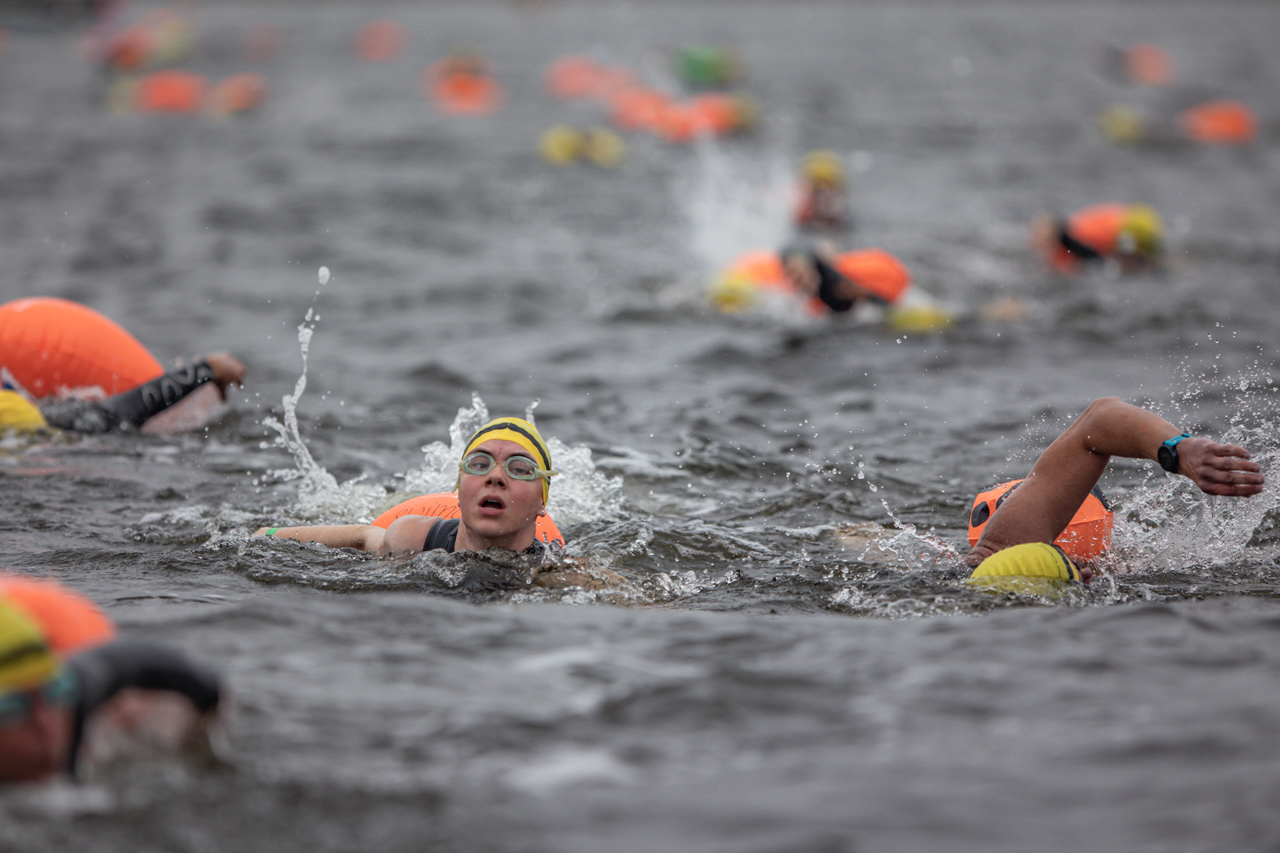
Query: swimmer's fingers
[227, 370]
[1219, 469]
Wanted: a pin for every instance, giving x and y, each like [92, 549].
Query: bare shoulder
[407, 534]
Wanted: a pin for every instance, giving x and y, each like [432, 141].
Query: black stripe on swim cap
[1072, 572]
[514, 427]
[15, 655]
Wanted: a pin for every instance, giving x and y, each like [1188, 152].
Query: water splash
[733, 205]
[1172, 523]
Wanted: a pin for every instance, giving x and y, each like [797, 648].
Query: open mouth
[492, 503]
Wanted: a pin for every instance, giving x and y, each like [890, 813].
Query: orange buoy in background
[379, 41]
[238, 93]
[169, 91]
[1086, 536]
[445, 505]
[875, 270]
[462, 84]
[572, 77]
[638, 108]
[50, 345]
[1219, 121]
[70, 622]
[1148, 64]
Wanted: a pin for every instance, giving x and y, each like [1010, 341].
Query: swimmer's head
[1142, 232]
[522, 433]
[18, 414]
[1038, 560]
[823, 168]
[25, 658]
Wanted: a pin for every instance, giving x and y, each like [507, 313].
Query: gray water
[754, 682]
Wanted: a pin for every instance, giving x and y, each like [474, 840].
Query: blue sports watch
[1167, 455]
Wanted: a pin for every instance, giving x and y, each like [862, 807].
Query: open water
[758, 681]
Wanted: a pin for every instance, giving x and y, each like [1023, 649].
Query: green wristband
[272, 531]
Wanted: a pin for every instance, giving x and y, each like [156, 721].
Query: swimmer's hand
[1219, 469]
[227, 370]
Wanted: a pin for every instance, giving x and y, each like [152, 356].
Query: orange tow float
[1087, 536]
[50, 345]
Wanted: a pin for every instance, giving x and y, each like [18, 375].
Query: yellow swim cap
[1142, 232]
[823, 167]
[1039, 563]
[25, 658]
[522, 433]
[732, 293]
[18, 414]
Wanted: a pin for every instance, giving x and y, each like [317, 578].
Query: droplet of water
[324, 275]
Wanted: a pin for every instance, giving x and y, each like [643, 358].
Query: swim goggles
[58, 692]
[518, 467]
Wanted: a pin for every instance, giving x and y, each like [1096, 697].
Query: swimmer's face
[800, 272]
[498, 509]
[35, 748]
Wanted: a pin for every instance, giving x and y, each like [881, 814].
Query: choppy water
[752, 684]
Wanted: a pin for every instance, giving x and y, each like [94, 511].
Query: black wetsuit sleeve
[104, 671]
[130, 409]
[1074, 246]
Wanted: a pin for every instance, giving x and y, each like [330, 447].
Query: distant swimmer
[1132, 234]
[1017, 539]
[48, 705]
[504, 480]
[824, 194]
[835, 282]
[122, 412]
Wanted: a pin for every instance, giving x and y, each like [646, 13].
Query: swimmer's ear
[542, 511]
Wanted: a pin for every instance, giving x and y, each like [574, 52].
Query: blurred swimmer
[813, 273]
[1017, 539]
[47, 704]
[122, 412]
[824, 200]
[1129, 233]
[504, 480]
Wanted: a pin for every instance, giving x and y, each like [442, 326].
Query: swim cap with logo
[1031, 565]
[17, 413]
[25, 658]
[522, 433]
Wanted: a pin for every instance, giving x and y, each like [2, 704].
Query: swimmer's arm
[407, 534]
[1041, 508]
[364, 537]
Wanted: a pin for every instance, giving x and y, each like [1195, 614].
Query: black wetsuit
[130, 409]
[104, 671]
[443, 536]
[829, 281]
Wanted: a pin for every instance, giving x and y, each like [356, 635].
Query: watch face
[1168, 458]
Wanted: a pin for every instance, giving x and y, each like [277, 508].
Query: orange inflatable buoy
[445, 505]
[1149, 64]
[1087, 536]
[1219, 121]
[70, 622]
[379, 41]
[52, 345]
[170, 91]
[875, 270]
[462, 92]
[637, 109]
[572, 77]
[238, 93]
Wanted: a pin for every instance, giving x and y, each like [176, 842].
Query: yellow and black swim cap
[1026, 567]
[522, 433]
[25, 658]
[17, 413]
